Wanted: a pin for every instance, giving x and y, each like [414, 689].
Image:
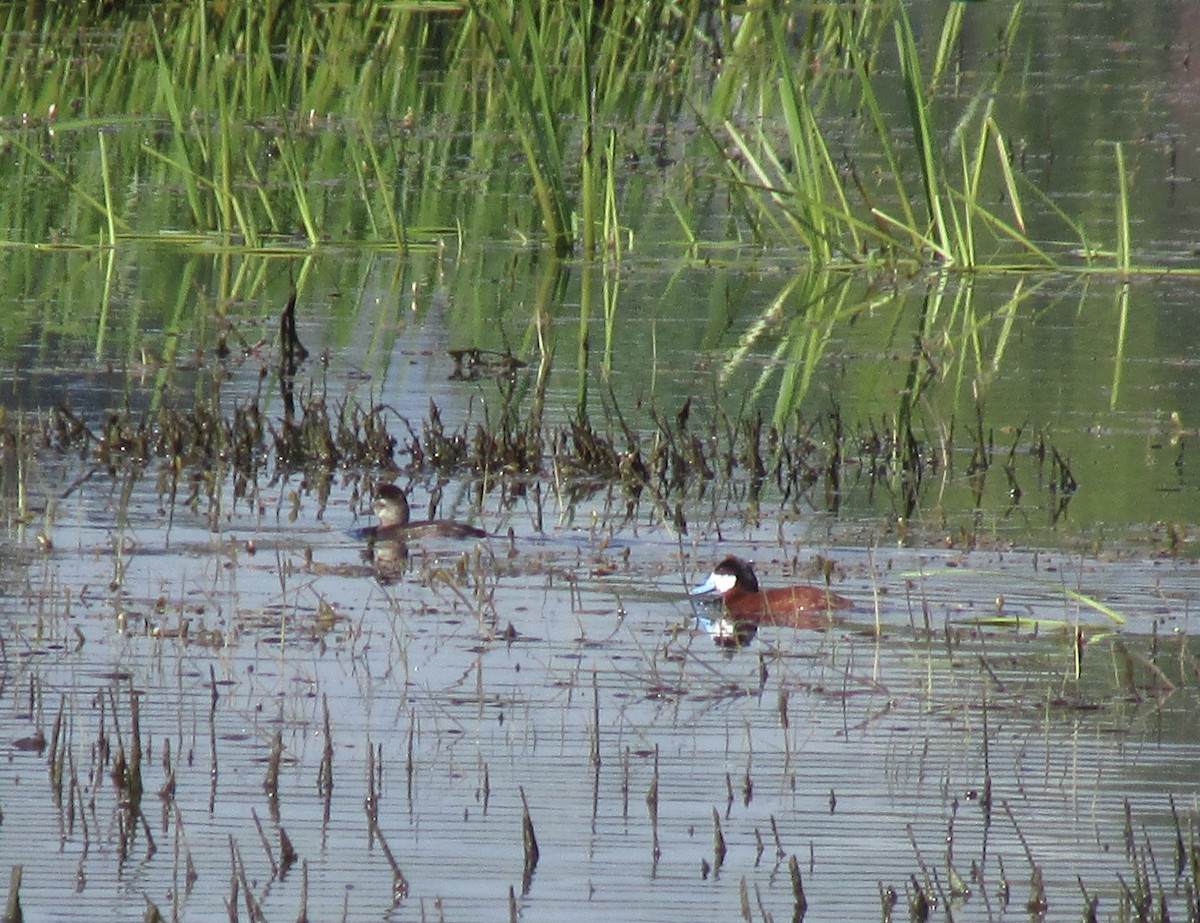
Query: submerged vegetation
[198, 451]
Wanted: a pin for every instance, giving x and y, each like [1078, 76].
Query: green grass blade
[166, 89]
[1123, 258]
[1010, 181]
[539, 138]
[882, 128]
[921, 119]
[951, 31]
[108, 196]
[1119, 357]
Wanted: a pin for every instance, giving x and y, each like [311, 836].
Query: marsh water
[1003, 727]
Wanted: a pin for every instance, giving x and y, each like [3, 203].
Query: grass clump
[793, 188]
[830, 128]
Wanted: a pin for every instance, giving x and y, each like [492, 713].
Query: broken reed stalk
[325, 771]
[190, 873]
[302, 916]
[167, 791]
[117, 772]
[253, 910]
[212, 739]
[528, 843]
[718, 842]
[1181, 850]
[399, 882]
[887, 901]
[374, 833]
[780, 853]
[1091, 903]
[625, 784]
[287, 853]
[918, 903]
[103, 748]
[153, 914]
[262, 838]
[12, 909]
[595, 741]
[1037, 887]
[378, 781]
[958, 887]
[1037, 903]
[76, 802]
[213, 772]
[371, 801]
[652, 807]
[1144, 874]
[134, 770]
[293, 350]
[763, 911]
[231, 902]
[56, 765]
[801, 902]
[137, 814]
[409, 765]
[985, 798]
[1003, 889]
[73, 798]
[912, 839]
[271, 782]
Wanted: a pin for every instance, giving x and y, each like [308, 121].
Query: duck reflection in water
[740, 606]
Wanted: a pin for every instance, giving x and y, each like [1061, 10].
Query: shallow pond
[216, 702]
[431, 692]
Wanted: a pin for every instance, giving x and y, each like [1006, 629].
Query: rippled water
[949, 736]
[863, 750]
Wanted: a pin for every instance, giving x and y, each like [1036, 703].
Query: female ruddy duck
[745, 606]
[396, 524]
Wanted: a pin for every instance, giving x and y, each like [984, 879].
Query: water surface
[1010, 701]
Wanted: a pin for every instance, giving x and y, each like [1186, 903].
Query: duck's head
[732, 573]
[391, 506]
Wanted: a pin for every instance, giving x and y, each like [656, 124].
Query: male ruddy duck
[396, 523]
[745, 606]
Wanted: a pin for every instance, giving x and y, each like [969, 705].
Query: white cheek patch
[723, 583]
[719, 584]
